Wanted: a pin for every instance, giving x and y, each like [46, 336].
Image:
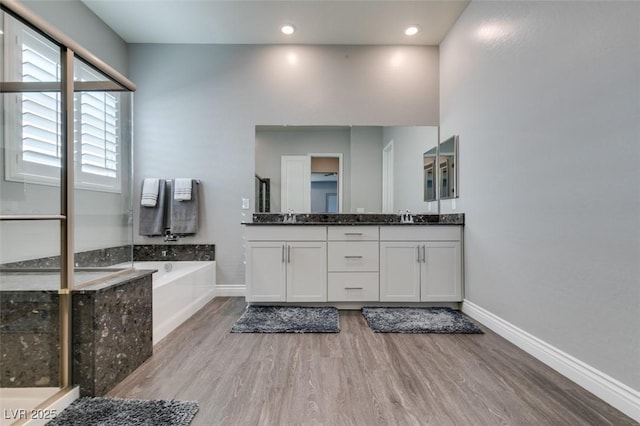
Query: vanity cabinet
[353, 263]
[421, 264]
[286, 264]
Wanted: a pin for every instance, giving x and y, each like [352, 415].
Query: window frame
[19, 170]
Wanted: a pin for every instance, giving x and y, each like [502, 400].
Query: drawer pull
[353, 233]
[353, 257]
[354, 288]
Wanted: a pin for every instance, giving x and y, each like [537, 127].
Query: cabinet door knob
[353, 233]
[354, 288]
[353, 257]
[424, 254]
[288, 254]
[283, 253]
[418, 258]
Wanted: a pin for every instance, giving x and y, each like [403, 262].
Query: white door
[387, 178]
[442, 272]
[295, 183]
[266, 271]
[400, 271]
[306, 271]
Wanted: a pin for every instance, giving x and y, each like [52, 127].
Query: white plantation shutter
[36, 131]
[99, 134]
[41, 117]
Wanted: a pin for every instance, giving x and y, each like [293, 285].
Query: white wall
[545, 98]
[197, 106]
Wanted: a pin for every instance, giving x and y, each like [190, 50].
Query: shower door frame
[69, 50]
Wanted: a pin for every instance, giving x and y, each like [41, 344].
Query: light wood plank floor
[356, 377]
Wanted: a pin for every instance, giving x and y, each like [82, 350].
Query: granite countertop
[350, 219]
[116, 281]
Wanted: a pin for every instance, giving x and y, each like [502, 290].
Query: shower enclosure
[65, 199]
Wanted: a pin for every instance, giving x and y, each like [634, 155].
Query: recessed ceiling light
[287, 29]
[411, 30]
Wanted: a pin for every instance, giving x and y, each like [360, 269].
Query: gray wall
[197, 107]
[78, 22]
[271, 145]
[409, 146]
[366, 169]
[544, 96]
[101, 217]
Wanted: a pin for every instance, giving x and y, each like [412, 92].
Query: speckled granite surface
[113, 332]
[175, 252]
[29, 339]
[93, 258]
[356, 219]
[122, 254]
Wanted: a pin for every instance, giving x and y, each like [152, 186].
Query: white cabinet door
[441, 273]
[266, 271]
[306, 271]
[295, 183]
[399, 271]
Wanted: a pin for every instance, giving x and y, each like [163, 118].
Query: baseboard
[53, 408]
[230, 290]
[605, 387]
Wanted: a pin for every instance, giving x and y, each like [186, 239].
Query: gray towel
[184, 214]
[153, 219]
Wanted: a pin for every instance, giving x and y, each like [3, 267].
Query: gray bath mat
[287, 319]
[418, 320]
[126, 412]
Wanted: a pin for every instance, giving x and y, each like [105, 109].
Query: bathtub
[180, 289]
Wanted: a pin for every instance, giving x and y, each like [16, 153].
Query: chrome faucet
[405, 217]
[290, 217]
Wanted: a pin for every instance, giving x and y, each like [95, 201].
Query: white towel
[182, 189]
[150, 188]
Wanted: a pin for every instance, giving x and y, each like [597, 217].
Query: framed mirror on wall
[440, 178]
[448, 168]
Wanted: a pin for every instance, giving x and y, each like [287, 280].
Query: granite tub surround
[29, 339]
[93, 258]
[174, 252]
[113, 331]
[355, 219]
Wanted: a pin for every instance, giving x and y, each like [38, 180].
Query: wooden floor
[356, 377]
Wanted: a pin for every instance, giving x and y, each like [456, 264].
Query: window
[33, 120]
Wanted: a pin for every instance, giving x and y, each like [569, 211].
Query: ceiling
[258, 22]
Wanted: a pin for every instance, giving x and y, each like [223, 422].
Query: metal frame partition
[69, 51]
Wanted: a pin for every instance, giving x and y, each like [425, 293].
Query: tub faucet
[168, 236]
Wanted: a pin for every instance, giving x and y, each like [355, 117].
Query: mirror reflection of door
[295, 176]
[324, 184]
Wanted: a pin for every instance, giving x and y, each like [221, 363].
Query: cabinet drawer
[345, 256]
[353, 287]
[353, 233]
[421, 233]
[286, 233]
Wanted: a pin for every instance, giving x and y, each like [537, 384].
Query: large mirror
[342, 169]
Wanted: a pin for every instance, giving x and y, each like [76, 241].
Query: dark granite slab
[174, 252]
[355, 219]
[113, 331]
[93, 258]
[29, 339]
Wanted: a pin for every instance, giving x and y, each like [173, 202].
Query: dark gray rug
[419, 320]
[287, 319]
[126, 412]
